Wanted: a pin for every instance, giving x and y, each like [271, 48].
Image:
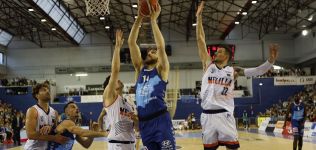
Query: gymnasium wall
[305, 47]
[264, 97]
[26, 59]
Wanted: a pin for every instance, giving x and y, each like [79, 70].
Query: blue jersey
[297, 111]
[67, 146]
[150, 92]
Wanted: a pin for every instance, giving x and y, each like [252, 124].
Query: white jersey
[106, 123]
[217, 88]
[122, 128]
[131, 100]
[43, 119]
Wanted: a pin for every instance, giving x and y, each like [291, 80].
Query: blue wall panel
[263, 97]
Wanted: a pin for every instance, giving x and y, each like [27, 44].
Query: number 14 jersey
[217, 90]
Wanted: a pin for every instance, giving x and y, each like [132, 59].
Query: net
[97, 7]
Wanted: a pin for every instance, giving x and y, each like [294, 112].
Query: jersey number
[145, 78]
[224, 92]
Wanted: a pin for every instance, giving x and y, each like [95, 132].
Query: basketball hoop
[97, 7]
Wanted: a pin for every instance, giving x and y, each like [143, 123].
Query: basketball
[145, 5]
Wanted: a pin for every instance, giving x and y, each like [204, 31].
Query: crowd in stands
[7, 114]
[308, 97]
[20, 81]
[284, 72]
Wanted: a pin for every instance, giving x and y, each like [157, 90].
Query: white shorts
[120, 146]
[219, 130]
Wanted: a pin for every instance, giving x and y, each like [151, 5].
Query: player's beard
[150, 61]
[46, 99]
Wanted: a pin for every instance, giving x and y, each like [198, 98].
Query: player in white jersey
[103, 121]
[217, 120]
[119, 111]
[40, 119]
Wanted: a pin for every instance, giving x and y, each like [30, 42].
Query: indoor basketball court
[191, 140]
[186, 74]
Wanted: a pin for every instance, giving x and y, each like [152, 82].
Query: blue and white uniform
[297, 119]
[67, 146]
[154, 120]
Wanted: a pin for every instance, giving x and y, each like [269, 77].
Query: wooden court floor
[248, 141]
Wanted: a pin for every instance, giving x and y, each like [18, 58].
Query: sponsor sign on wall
[264, 124]
[271, 126]
[294, 80]
[279, 127]
[313, 129]
[308, 129]
[261, 119]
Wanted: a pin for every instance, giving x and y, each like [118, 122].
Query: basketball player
[152, 74]
[40, 119]
[103, 121]
[298, 117]
[121, 134]
[218, 123]
[68, 128]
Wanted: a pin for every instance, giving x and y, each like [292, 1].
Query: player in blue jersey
[68, 128]
[298, 116]
[152, 74]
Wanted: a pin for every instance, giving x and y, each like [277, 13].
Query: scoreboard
[212, 49]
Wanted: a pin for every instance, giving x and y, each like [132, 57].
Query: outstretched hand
[119, 38]
[155, 12]
[200, 9]
[274, 52]
[45, 130]
[95, 127]
[132, 116]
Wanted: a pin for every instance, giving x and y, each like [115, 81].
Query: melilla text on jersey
[220, 81]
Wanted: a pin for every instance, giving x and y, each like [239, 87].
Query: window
[59, 14]
[1, 58]
[5, 38]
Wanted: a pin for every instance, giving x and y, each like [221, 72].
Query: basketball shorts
[297, 128]
[219, 129]
[157, 133]
[121, 146]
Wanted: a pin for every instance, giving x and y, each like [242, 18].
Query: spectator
[245, 119]
[3, 134]
[284, 72]
[193, 121]
[189, 120]
[17, 125]
[8, 131]
[307, 96]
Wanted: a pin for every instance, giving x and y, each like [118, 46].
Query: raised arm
[109, 92]
[132, 44]
[100, 119]
[163, 62]
[30, 125]
[262, 69]
[200, 37]
[87, 141]
[72, 128]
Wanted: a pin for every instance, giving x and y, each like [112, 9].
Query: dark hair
[65, 107]
[106, 82]
[36, 89]
[228, 50]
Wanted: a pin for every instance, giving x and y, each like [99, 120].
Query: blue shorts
[157, 134]
[297, 128]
